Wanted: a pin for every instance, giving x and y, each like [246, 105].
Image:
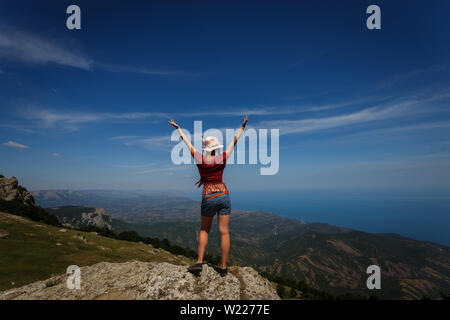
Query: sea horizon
[419, 214]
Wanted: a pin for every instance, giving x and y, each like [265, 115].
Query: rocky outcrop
[150, 281]
[10, 190]
[81, 216]
[4, 234]
[99, 218]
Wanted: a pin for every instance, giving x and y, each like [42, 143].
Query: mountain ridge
[324, 256]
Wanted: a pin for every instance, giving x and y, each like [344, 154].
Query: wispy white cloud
[30, 48]
[413, 127]
[156, 170]
[145, 142]
[133, 115]
[68, 121]
[132, 69]
[55, 154]
[429, 160]
[406, 107]
[16, 145]
[331, 106]
[135, 166]
[71, 120]
[398, 78]
[275, 110]
[146, 71]
[316, 124]
[123, 138]
[318, 94]
[18, 127]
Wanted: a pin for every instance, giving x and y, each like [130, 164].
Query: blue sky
[88, 109]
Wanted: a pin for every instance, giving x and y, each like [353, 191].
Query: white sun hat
[211, 143]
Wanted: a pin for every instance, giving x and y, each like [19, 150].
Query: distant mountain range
[325, 256]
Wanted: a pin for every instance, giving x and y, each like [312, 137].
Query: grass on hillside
[34, 251]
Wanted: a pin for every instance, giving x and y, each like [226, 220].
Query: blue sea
[422, 215]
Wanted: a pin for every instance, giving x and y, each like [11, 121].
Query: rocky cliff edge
[150, 281]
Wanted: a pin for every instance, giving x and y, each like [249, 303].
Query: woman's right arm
[230, 147]
[188, 143]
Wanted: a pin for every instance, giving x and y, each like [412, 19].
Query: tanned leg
[223, 221]
[203, 237]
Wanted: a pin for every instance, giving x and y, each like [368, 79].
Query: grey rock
[10, 190]
[4, 234]
[80, 237]
[149, 281]
[99, 218]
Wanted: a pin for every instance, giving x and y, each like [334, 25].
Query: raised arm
[230, 147]
[188, 143]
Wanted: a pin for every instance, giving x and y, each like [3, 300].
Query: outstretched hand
[245, 120]
[173, 123]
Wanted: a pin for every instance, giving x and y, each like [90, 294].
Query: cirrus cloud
[29, 48]
[16, 145]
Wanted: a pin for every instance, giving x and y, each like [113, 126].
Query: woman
[215, 197]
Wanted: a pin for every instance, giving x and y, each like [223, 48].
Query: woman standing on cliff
[215, 197]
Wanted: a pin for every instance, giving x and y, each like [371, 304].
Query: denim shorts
[220, 205]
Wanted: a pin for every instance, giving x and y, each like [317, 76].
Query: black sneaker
[222, 272]
[196, 268]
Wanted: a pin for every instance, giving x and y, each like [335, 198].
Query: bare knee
[223, 231]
